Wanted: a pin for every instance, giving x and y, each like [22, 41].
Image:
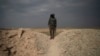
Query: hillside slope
[69, 42]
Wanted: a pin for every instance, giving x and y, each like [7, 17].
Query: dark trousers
[52, 31]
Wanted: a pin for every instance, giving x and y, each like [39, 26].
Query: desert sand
[36, 42]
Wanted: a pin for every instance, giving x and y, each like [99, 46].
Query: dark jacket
[52, 22]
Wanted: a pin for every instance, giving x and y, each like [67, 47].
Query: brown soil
[33, 42]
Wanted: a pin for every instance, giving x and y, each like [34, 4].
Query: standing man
[52, 23]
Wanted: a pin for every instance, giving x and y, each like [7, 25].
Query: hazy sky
[35, 13]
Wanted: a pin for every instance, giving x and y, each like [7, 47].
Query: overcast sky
[35, 13]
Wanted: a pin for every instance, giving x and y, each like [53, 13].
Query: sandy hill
[36, 42]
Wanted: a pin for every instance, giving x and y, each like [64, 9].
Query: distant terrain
[36, 42]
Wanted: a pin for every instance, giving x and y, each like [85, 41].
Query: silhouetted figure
[52, 23]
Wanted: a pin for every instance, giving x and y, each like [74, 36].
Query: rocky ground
[36, 42]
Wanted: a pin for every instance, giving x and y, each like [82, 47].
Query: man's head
[52, 15]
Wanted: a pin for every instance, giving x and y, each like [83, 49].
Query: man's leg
[54, 31]
[51, 33]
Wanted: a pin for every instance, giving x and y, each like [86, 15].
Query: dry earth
[36, 42]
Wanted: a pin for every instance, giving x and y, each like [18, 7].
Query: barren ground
[36, 42]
